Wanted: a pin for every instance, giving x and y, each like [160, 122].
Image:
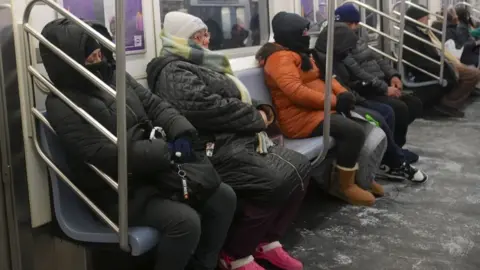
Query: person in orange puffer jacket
[298, 95]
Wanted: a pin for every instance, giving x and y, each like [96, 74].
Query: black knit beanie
[416, 13]
[91, 45]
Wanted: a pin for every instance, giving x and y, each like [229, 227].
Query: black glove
[345, 103]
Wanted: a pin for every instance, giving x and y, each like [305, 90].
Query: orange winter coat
[298, 95]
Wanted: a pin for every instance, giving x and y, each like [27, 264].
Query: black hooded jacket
[290, 31]
[426, 49]
[345, 41]
[148, 160]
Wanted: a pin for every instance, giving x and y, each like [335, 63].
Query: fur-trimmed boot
[343, 185]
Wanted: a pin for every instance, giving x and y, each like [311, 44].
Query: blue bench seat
[255, 82]
[74, 217]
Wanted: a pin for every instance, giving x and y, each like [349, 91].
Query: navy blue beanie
[347, 13]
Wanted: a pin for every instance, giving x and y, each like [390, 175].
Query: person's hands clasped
[345, 103]
[396, 82]
[393, 92]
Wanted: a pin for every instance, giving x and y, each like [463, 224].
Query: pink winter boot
[276, 255]
[247, 263]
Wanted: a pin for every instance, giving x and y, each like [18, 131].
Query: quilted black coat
[211, 102]
[149, 160]
[366, 65]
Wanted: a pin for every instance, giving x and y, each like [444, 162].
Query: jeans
[394, 156]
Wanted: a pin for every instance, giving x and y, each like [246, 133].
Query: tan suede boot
[377, 189]
[344, 187]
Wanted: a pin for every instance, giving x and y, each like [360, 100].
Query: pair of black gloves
[345, 103]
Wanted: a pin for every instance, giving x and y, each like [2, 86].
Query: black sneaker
[404, 172]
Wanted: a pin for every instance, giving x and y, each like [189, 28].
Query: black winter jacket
[344, 41]
[212, 103]
[451, 32]
[428, 50]
[148, 160]
[366, 65]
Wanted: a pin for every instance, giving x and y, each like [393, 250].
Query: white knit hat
[182, 25]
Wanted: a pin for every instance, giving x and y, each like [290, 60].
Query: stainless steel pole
[328, 82]
[401, 35]
[444, 37]
[121, 124]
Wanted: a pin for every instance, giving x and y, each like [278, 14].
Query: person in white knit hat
[186, 26]
[270, 181]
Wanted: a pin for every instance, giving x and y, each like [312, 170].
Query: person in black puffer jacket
[395, 166]
[270, 181]
[155, 188]
[366, 65]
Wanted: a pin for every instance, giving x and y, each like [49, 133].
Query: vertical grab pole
[444, 37]
[315, 10]
[329, 75]
[401, 36]
[121, 124]
[328, 83]
[363, 18]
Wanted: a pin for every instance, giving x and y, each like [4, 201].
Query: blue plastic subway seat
[255, 82]
[73, 215]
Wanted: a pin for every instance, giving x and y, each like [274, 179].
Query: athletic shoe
[404, 172]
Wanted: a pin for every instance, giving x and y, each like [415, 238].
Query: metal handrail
[107, 178]
[77, 191]
[328, 82]
[468, 5]
[402, 29]
[119, 94]
[399, 41]
[403, 61]
[402, 32]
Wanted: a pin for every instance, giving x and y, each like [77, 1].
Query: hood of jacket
[72, 40]
[345, 40]
[266, 51]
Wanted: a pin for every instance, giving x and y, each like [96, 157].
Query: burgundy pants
[254, 224]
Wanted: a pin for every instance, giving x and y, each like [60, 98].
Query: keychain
[183, 175]
[153, 133]
[209, 149]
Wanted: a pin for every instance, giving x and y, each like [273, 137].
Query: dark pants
[349, 136]
[254, 225]
[394, 156]
[431, 95]
[189, 235]
[407, 108]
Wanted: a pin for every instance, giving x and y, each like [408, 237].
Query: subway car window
[232, 23]
[314, 14]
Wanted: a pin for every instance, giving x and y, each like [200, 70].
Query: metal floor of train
[431, 226]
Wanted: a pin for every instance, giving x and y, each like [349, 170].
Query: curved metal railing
[121, 186]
